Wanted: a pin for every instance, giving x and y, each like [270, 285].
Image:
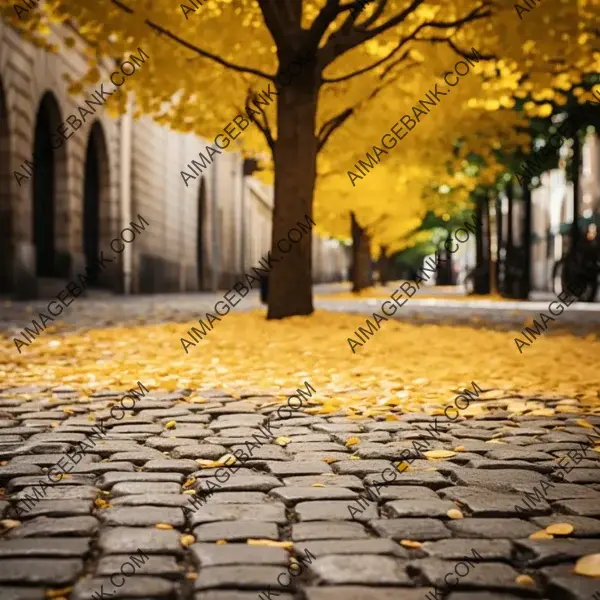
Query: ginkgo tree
[209, 60]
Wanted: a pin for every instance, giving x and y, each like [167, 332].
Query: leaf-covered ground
[403, 367]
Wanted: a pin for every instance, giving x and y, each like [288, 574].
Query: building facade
[70, 201]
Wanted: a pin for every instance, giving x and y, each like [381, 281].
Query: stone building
[66, 206]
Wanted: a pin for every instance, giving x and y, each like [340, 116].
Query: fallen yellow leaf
[410, 544]
[588, 565]
[560, 529]
[525, 580]
[270, 543]
[171, 425]
[317, 485]
[63, 592]
[163, 526]
[353, 441]
[542, 534]
[189, 482]
[454, 513]
[187, 540]
[282, 440]
[434, 454]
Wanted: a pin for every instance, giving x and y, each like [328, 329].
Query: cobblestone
[80, 529]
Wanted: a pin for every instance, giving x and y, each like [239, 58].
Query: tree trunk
[361, 257]
[575, 233]
[526, 287]
[481, 279]
[499, 245]
[443, 275]
[295, 152]
[384, 264]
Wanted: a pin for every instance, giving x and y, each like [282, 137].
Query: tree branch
[189, 46]
[331, 125]
[378, 62]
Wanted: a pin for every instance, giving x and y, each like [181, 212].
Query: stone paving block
[139, 457]
[485, 576]
[332, 510]
[49, 571]
[583, 526]
[295, 448]
[482, 595]
[269, 513]
[420, 530]
[491, 528]
[80, 492]
[166, 444]
[119, 540]
[199, 451]
[366, 593]
[562, 583]
[254, 577]
[19, 483]
[141, 516]
[330, 456]
[406, 492]
[19, 470]
[51, 527]
[237, 498]
[57, 508]
[232, 595]
[328, 480]
[361, 569]
[485, 503]
[211, 555]
[151, 500]
[248, 483]
[435, 508]
[362, 546]
[328, 530]
[505, 481]
[232, 531]
[101, 468]
[127, 488]
[479, 462]
[142, 587]
[431, 479]
[361, 467]
[581, 476]
[264, 453]
[160, 566]
[22, 593]
[582, 508]
[292, 494]
[562, 491]
[45, 547]
[108, 480]
[538, 553]
[291, 468]
[393, 451]
[457, 549]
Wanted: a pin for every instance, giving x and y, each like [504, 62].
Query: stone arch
[201, 253]
[6, 212]
[97, 229]
[50, 214]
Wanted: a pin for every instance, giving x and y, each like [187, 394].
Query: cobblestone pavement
[137, 470]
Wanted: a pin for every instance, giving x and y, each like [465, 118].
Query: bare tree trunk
[481, 280]
[361, 257]
[295, 152]
[384, 264]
